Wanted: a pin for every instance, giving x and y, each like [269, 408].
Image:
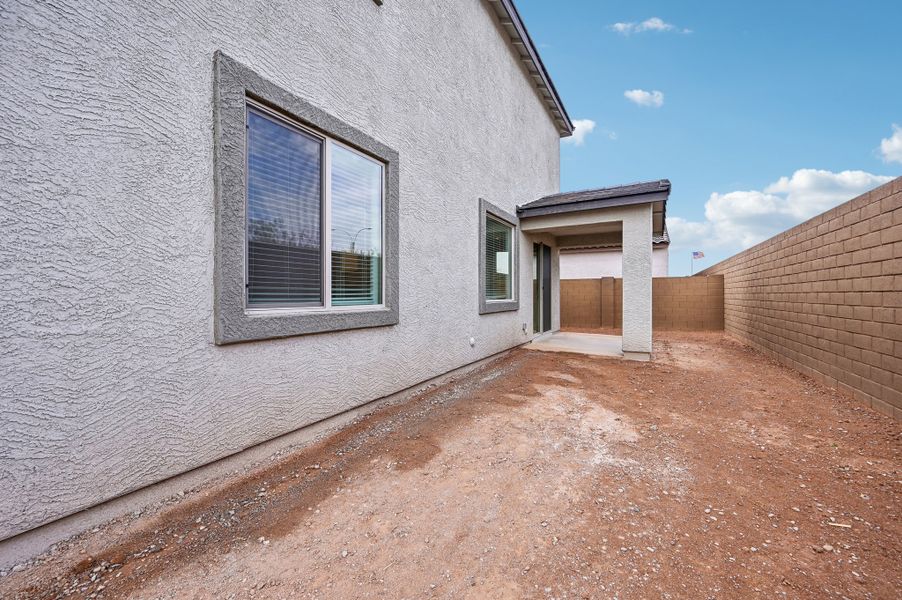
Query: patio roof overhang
[655, 193]
[632, 214]
[589, 218]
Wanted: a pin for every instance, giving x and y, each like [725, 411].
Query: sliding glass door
[541, 288]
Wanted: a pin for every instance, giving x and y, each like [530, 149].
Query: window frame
[486, 306]
[236, 90]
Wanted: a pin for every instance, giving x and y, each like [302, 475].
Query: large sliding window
[307, 192]
[307, 215]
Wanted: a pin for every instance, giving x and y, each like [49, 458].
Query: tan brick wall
[678, 303]
[825, 297]
[581, 302]
[687, 303]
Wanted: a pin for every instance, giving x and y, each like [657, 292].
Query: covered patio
[629, 215]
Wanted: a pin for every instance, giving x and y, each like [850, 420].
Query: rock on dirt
[537, 477]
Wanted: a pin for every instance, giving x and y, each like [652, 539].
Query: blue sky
[768, 112]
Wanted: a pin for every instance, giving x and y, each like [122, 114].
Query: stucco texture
[109, 376]
[637, 279]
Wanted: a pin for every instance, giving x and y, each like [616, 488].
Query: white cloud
[581, 128]
[810, 192]
[740, 219]
[644, 98]
[891, 147]
[652, 24]
[684, 232]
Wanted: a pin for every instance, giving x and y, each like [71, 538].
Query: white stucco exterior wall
[637, 281]
[109, 376]
[660, 262]
[594, 264]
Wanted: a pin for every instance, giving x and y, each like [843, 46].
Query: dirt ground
[709, 473]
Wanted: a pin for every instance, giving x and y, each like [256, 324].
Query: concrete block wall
[825, 297]
[678, 303]
[581, 303]
[688, 303]
[612, 302]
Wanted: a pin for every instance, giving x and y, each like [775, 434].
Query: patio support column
[637, 245]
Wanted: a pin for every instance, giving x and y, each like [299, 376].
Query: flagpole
[691, 263]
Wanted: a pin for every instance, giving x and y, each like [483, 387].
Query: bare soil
[711, 472]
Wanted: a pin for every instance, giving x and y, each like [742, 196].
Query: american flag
[696, 255]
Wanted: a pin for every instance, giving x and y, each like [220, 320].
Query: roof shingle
[609, 193]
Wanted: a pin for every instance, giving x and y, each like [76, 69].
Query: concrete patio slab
[593, 344]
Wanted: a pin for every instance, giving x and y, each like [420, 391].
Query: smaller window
[497, 260]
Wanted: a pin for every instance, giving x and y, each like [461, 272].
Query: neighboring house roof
[513, 24]
[657, 241]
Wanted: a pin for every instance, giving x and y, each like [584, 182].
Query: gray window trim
[234, 83]
[486, 209]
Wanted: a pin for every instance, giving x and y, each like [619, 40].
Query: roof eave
[513, 24]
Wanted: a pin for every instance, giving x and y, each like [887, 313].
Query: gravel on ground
[711, 472]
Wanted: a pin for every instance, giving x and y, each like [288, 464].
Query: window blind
[284, 214]
[356, 204]
[497, 260]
